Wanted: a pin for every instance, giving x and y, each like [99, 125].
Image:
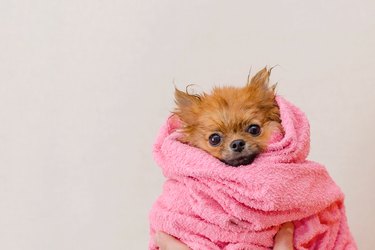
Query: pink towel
[209, 205]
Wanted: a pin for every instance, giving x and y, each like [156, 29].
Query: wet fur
[229, 111]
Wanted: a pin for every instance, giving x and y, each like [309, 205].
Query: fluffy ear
[261, 81]
[187, 106]
[261, 78]
[184, 100]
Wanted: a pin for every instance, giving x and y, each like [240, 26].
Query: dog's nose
[237, 145]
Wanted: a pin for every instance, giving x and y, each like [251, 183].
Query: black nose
[237, 145]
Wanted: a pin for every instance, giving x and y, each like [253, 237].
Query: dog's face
[232, 124]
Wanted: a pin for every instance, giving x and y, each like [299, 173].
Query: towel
[209, 205]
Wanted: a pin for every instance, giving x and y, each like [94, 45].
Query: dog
[233, 124]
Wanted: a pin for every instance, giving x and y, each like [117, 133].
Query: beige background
[85, 85]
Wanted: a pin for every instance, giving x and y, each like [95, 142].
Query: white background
[85, 85]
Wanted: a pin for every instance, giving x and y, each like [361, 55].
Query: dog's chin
[240, 161]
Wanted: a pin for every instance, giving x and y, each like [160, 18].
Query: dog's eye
[215, 139]
[254, 129]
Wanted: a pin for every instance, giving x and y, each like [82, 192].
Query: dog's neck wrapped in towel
[209, 205]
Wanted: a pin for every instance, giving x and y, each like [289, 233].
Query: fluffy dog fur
[232, 124]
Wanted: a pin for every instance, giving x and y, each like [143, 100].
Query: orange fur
[228, 112]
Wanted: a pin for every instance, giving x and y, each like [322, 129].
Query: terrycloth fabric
[208, 205]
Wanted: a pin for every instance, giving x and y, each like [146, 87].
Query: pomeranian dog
[232, 124]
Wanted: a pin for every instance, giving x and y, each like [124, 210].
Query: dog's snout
[237, 145]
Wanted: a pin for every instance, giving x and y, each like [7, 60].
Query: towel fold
[209, 205]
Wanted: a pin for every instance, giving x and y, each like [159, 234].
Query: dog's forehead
[227, 120]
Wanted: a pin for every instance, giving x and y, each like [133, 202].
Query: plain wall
[85, 85]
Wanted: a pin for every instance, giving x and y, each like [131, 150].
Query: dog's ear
[186, 106]
[261, 79]
[185, 100]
